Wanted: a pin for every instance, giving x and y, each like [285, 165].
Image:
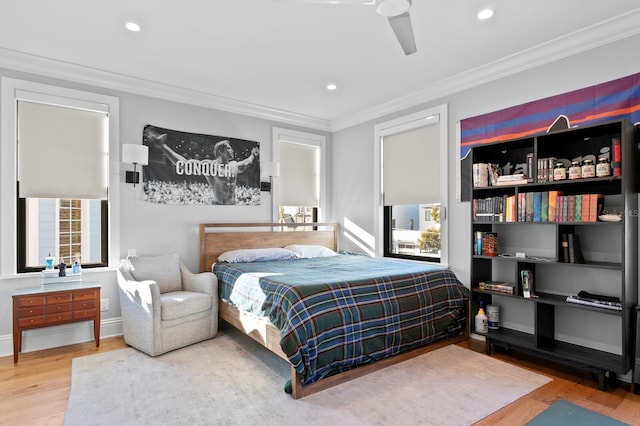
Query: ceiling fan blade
[401, 26]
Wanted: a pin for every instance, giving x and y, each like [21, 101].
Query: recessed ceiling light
[132, 26]
[485, 14]
[332, 86]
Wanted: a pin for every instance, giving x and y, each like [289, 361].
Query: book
[522, 201]
[564, 246]
[511, 182]
[511, 178]
[571, 208]
[553, 202]
[477, 247]
[490, 244]
[497, 286]
[527, 283]
[530, 167]
[544, 207]
[585, 207]
[615, 306]
[577, 217]
[575, 252]
[560, 208]
[616, 162]
[537, 206]
[596, 203]
[480, 175]
[528, 209]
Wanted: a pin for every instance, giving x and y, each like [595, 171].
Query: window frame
[381, 215]
[12, 226]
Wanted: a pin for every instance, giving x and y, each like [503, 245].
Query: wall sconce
[271, 169]
[134, 154]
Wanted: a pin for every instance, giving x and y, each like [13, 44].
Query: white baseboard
[60, 335]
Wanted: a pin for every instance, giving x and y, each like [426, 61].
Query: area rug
[231, 380]
[564, 413]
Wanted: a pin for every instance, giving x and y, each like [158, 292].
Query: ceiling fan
[396, 11]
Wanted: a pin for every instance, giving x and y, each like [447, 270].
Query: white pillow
[311, 251]
[256, 255]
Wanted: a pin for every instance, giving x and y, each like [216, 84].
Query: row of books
[544, 206]
[485, 244]
[497, 286]
[526, 279]
[544, 168]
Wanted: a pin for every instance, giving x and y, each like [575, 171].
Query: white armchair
[165, 306]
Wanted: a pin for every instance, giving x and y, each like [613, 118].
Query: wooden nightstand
[55, 304]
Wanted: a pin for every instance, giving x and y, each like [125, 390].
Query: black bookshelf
[617, 256]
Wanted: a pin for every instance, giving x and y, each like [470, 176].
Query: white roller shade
[299, 174]
[62, 152]
[411, 166]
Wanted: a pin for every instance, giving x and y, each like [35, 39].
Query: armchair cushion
[177, 304]
[164, 270]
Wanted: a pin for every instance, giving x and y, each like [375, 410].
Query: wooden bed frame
[216, 238]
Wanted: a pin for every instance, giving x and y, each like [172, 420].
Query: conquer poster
[196, 169]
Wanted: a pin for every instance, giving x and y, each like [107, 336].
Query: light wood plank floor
[35, 391]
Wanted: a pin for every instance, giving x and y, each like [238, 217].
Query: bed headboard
[216, 238]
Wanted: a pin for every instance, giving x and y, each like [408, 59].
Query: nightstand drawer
[89, 313]
[31, 322]
[60, 307]
[84, 304]
[31, 312]
[61, 317]
[84, 295]
[31, 301]
[58, 298]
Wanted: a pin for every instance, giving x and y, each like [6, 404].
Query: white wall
[146, 227]
[352, 191]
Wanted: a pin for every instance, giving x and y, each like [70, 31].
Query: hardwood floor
[35, 391]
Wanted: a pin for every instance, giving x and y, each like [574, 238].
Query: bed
[333, 316]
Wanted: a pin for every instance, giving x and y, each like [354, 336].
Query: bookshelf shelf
[576, 355]
[544, 219]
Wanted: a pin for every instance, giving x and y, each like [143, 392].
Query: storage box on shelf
[552, 229]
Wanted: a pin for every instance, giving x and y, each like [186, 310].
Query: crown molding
[603, 33]
[609, 31]
[38, 65]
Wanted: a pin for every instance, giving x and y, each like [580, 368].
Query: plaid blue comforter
[335, 313]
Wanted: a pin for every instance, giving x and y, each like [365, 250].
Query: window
[412, 183]
[60, 181]
[300, 192]
[68, 229]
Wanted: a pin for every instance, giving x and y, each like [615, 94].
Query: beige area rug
[230, 380]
